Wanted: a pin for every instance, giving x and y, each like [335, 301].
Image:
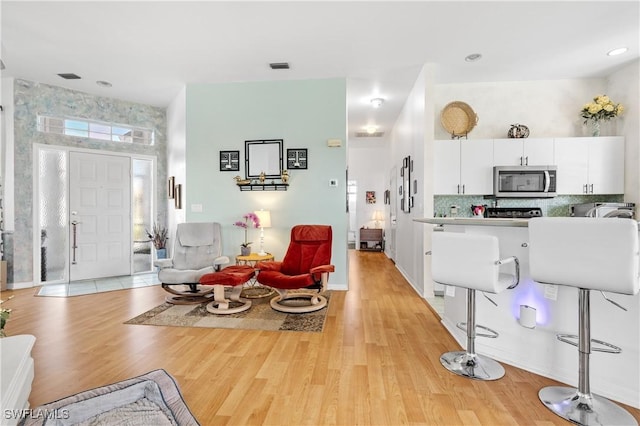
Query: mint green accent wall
[305, 114]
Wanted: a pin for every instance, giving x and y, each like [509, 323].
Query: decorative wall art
[229, 161]
[171, 187]
[387, 197]
[371, 197]
[406, 201]
[297, 158]
[178, 196]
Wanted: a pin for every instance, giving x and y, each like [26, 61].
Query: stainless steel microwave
[524, 181]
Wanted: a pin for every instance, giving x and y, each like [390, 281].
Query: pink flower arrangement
[248, 217]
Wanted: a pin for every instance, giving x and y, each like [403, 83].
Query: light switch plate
[196, 208]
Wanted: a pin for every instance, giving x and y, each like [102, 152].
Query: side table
[252, 289]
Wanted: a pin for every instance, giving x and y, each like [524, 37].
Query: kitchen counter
[475, 221]
[537, 349]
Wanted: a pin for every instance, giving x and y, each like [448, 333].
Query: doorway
[92, 208]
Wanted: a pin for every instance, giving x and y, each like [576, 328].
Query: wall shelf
[264, 187]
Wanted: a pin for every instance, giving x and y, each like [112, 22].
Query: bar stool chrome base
[472, 366]
[583, 409]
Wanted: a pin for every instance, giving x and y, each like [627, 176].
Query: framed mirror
[263, 156]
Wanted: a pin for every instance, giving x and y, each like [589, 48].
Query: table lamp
[377, 216]
[265, 222]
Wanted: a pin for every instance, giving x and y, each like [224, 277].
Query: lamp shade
[265, 218]
[377, 215]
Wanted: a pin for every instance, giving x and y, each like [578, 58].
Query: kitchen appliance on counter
[513, 212]
[524, 181]
[622, 210]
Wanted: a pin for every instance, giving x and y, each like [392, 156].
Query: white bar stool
[590, 254]
[471, 261]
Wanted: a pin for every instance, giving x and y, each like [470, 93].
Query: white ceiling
[150, 50]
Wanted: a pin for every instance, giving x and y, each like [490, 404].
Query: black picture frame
[297, 158]
[229, 161]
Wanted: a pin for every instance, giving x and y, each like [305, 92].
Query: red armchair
[306, 266]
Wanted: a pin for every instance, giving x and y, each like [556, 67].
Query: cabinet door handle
[526, 161]
[521, 161]
[463, 188]
[585, 189]
[458, 188]
[591, 189]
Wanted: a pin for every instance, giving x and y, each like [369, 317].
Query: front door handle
[74, 243]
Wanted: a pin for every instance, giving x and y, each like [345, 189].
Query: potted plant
[245, 250]
[158, 237]
[4, 317]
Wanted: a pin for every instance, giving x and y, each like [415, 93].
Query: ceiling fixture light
[376, 102]
[103, 83]
[618, 51]
[473, 57]
[371, 129]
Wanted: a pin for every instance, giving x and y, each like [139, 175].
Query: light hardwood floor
[377, 361]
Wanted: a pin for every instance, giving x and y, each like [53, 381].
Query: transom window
[95, 130]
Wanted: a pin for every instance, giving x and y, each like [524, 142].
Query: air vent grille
[369, 135]
[279, 65]
[70, 76]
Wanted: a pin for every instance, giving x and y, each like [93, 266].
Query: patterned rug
[259, 317]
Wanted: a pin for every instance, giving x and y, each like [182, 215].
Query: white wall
[176, 157]
[6, 154]
[624, 87]
[409, 136]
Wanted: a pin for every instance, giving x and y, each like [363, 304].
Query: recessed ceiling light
[618, 51]
[376, 102]
[103, 83]
[473, 57]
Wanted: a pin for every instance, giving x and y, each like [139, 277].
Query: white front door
[100, 211]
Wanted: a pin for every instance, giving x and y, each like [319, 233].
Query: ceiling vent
[70, 76]
[279, 65]
[369, 135]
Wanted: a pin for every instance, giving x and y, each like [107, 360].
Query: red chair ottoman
[231, 276]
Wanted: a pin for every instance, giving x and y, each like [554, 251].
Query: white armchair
[196, 251]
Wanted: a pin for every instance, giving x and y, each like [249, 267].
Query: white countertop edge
[475, 222]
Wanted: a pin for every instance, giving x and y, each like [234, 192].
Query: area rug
[259, 317]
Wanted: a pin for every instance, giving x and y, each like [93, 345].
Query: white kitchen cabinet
[463, 166]
[590, 165]
[523, 152]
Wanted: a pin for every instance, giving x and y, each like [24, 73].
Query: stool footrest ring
[492, 334]
[572, 339]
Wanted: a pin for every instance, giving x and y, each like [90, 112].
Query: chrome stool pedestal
[580, 405]
[471, 261]
[588, 254]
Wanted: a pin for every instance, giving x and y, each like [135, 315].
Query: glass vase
[595, 127]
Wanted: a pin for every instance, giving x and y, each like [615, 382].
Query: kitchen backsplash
[557, 206]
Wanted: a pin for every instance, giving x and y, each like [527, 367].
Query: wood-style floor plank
[376, 362]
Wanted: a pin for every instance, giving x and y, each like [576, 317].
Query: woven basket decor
[458, 118]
